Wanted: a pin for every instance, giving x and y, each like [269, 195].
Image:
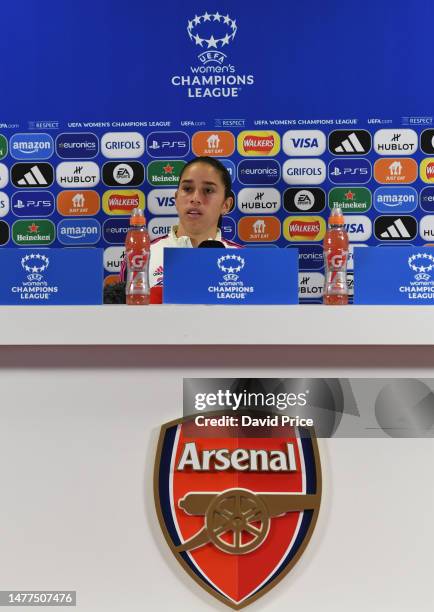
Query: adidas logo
[350, 145]
[356, 142]
[32, 175]
[398, 228]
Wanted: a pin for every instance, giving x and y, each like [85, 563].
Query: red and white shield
[236, 510]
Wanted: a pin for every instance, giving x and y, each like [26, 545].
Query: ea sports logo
[211, 32]
[421, 263]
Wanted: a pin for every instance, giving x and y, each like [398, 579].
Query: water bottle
[137, 249]
[335, 260]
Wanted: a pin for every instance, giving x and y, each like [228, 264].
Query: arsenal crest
[237, 510]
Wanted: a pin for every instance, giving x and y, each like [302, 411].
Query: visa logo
[354, 228]
[165, 201]
[304, 143]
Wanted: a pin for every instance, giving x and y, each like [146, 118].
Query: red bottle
[137, 249]
[335, 260]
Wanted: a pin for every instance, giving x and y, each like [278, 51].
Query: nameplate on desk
[51, 277]
[394, 275]
[231, 276]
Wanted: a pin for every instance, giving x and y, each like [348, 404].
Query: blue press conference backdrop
[308, 104]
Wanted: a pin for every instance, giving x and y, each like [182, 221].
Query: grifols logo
[237, 511]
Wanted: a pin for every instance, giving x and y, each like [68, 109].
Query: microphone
[211, 244]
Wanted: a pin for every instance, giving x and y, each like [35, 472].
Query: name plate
[394, 275]
[44, 277]
[230, 276]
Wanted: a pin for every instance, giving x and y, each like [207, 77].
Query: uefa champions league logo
[212, 31]
[35, 263]
[231, 271]
[427, 261]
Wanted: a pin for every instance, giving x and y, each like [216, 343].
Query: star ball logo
[35, 263]
[421, 263]
[214, 76]
[236, 264]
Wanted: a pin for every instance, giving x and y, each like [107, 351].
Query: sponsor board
[4, 204]
[77, 145]
[259, 229]
[426, 228]
[164, 173]
[303, 143]
[349, 142]
[162, 201]
[115, 230]
[78, 232]
[122, 201]
[167, 144]
[160, 226]
[5, 232]
[303, 229]
[258, 172]
[310, 285]
[36, 175]
[392, 228]
[258, 143]
[349, 171]
[230, 167]
[3, 146]
[122, 145]
[395, 142]
[395, 170]
[299, 200]
[31, 146]
[112, 259]
[310, 256]
[304, 171]
[350, 199]
[32, 203]
[359, 228]
[77, 174]
[427, 170]
[33, 232]
[228, 228]
[427, 199]
[395, 199]
[258, 201]
[82, 203]
[130, 174]
[213, 144]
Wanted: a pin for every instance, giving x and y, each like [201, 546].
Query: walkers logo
[259, 143]
[31, 146]
[4, 176]
[395, 142]
[350, 199]
[164, 173]
[122, 145]
[4, 232]
[392, 228]
[237, 526]
[160, 226]
[258, 172]
[310, 256]
[304, 143]
[34, 232]
[359, 228]
[304, 200]
[426, 142]
[162, 201]
[168, 144]
[3, 146]
[77, 174]
[77, 145]
[122, 201]
[427, 170]
[349, 142]
[427, 199]
[213, 144]
[310, 286]
[78, 232]
[254, 201]
[115, 230]
[304, 171]
[31, 203]
[124, 173]
[32, 175]
[4, 204]
[259, 229]
[302, 229]
[350, 171]
[78, 203]
[395, 199]
[395, 171]
[213, 76]
[426, 228]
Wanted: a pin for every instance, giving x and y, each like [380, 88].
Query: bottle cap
[336, 216]
[137, 217]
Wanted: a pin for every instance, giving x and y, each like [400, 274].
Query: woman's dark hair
[217, 165]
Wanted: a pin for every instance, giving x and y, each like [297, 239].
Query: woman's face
[200, 200]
